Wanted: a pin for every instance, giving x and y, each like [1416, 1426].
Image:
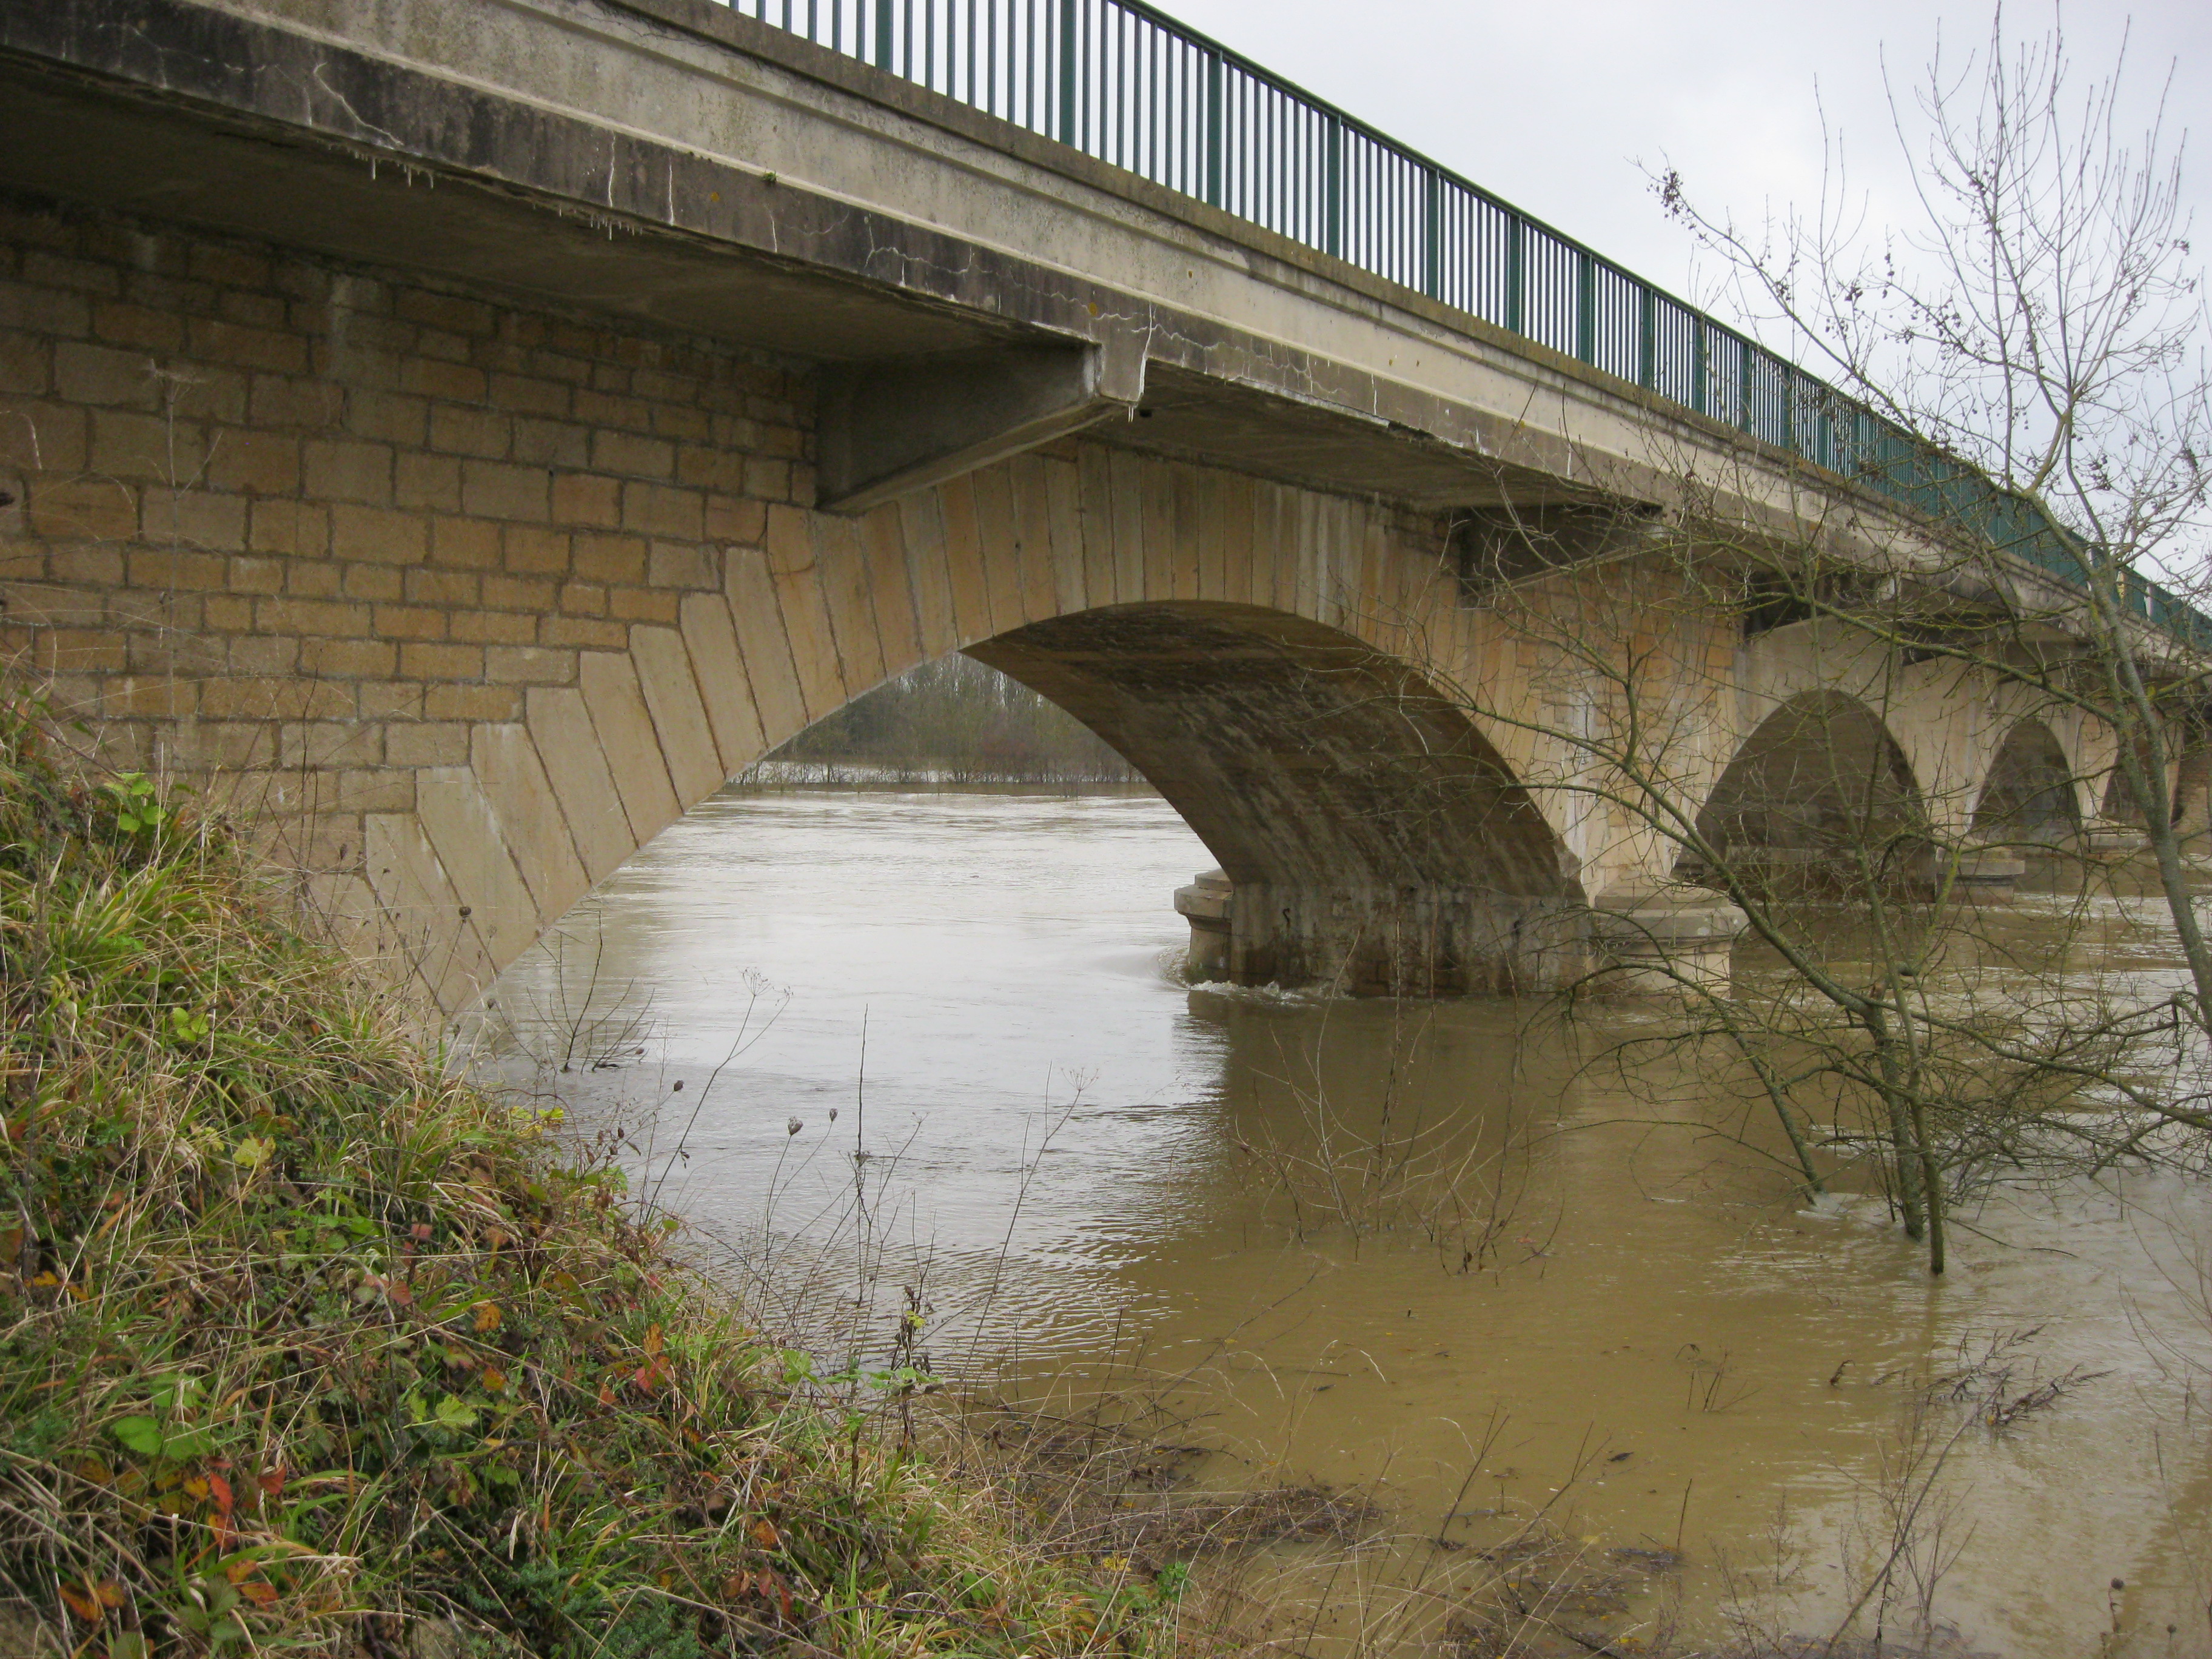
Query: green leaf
[455, 1412]
[176, 1393]
[141, 1434]
[187, 1443]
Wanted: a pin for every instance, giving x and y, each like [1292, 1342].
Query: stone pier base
[1990, 875]
[1360, 941]
[1665, 938]
[1206, 904]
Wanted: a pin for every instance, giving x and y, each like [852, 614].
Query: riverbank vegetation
[306, 1347]
[954, 721]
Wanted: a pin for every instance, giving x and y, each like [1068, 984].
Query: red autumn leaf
[273, 1483]
[261, 1595]
[220, 1487]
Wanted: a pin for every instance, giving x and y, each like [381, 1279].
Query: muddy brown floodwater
[1439, 1255]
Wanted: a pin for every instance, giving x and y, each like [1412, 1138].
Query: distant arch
[2029, 794]
[1820, 778]
[2188, 780]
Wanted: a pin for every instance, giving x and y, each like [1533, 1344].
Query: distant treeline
[953, 720]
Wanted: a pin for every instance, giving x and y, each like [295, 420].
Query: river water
[1443, 1255]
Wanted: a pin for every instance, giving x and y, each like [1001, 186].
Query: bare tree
[1891, 1018]
[2043, 321]
[2024, 373]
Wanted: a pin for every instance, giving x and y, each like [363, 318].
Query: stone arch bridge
[464, 435]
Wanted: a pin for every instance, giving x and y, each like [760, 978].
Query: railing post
[1068, 133]
[1335, 187]
[1744, 385]
[1585, 306]
[883, 55]
[1647, 343]
[1700, 350]
[1517, 273]
[1214, 124]
[1432, 213]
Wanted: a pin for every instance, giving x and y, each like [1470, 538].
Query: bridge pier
[1374, 941]
[1358, 943]
[1665, 937]
[1989, 875]
[1658, 937]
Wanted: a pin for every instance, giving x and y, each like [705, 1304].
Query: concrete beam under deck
[885, 430]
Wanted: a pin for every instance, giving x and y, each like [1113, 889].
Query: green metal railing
[1130, 86]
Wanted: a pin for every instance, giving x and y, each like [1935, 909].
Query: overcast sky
[1562, 107]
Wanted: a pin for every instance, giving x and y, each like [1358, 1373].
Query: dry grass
[306, 1348]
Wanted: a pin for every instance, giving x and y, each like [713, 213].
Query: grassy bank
[306, 1348]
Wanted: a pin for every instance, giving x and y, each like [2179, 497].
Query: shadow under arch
[2188, 778]
[1821, 780]
[2029, 794]
[1376, 842]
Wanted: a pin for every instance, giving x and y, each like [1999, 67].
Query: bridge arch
[1241, 643]
[2031, 793]
[1820, 777]
[2188, 782]
[1377, 841]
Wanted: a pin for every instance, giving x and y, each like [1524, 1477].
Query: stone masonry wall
[319, 528]
[459, 603]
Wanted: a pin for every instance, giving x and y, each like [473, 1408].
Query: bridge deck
[1125, 83]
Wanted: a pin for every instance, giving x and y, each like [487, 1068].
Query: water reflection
[1428, 1248]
